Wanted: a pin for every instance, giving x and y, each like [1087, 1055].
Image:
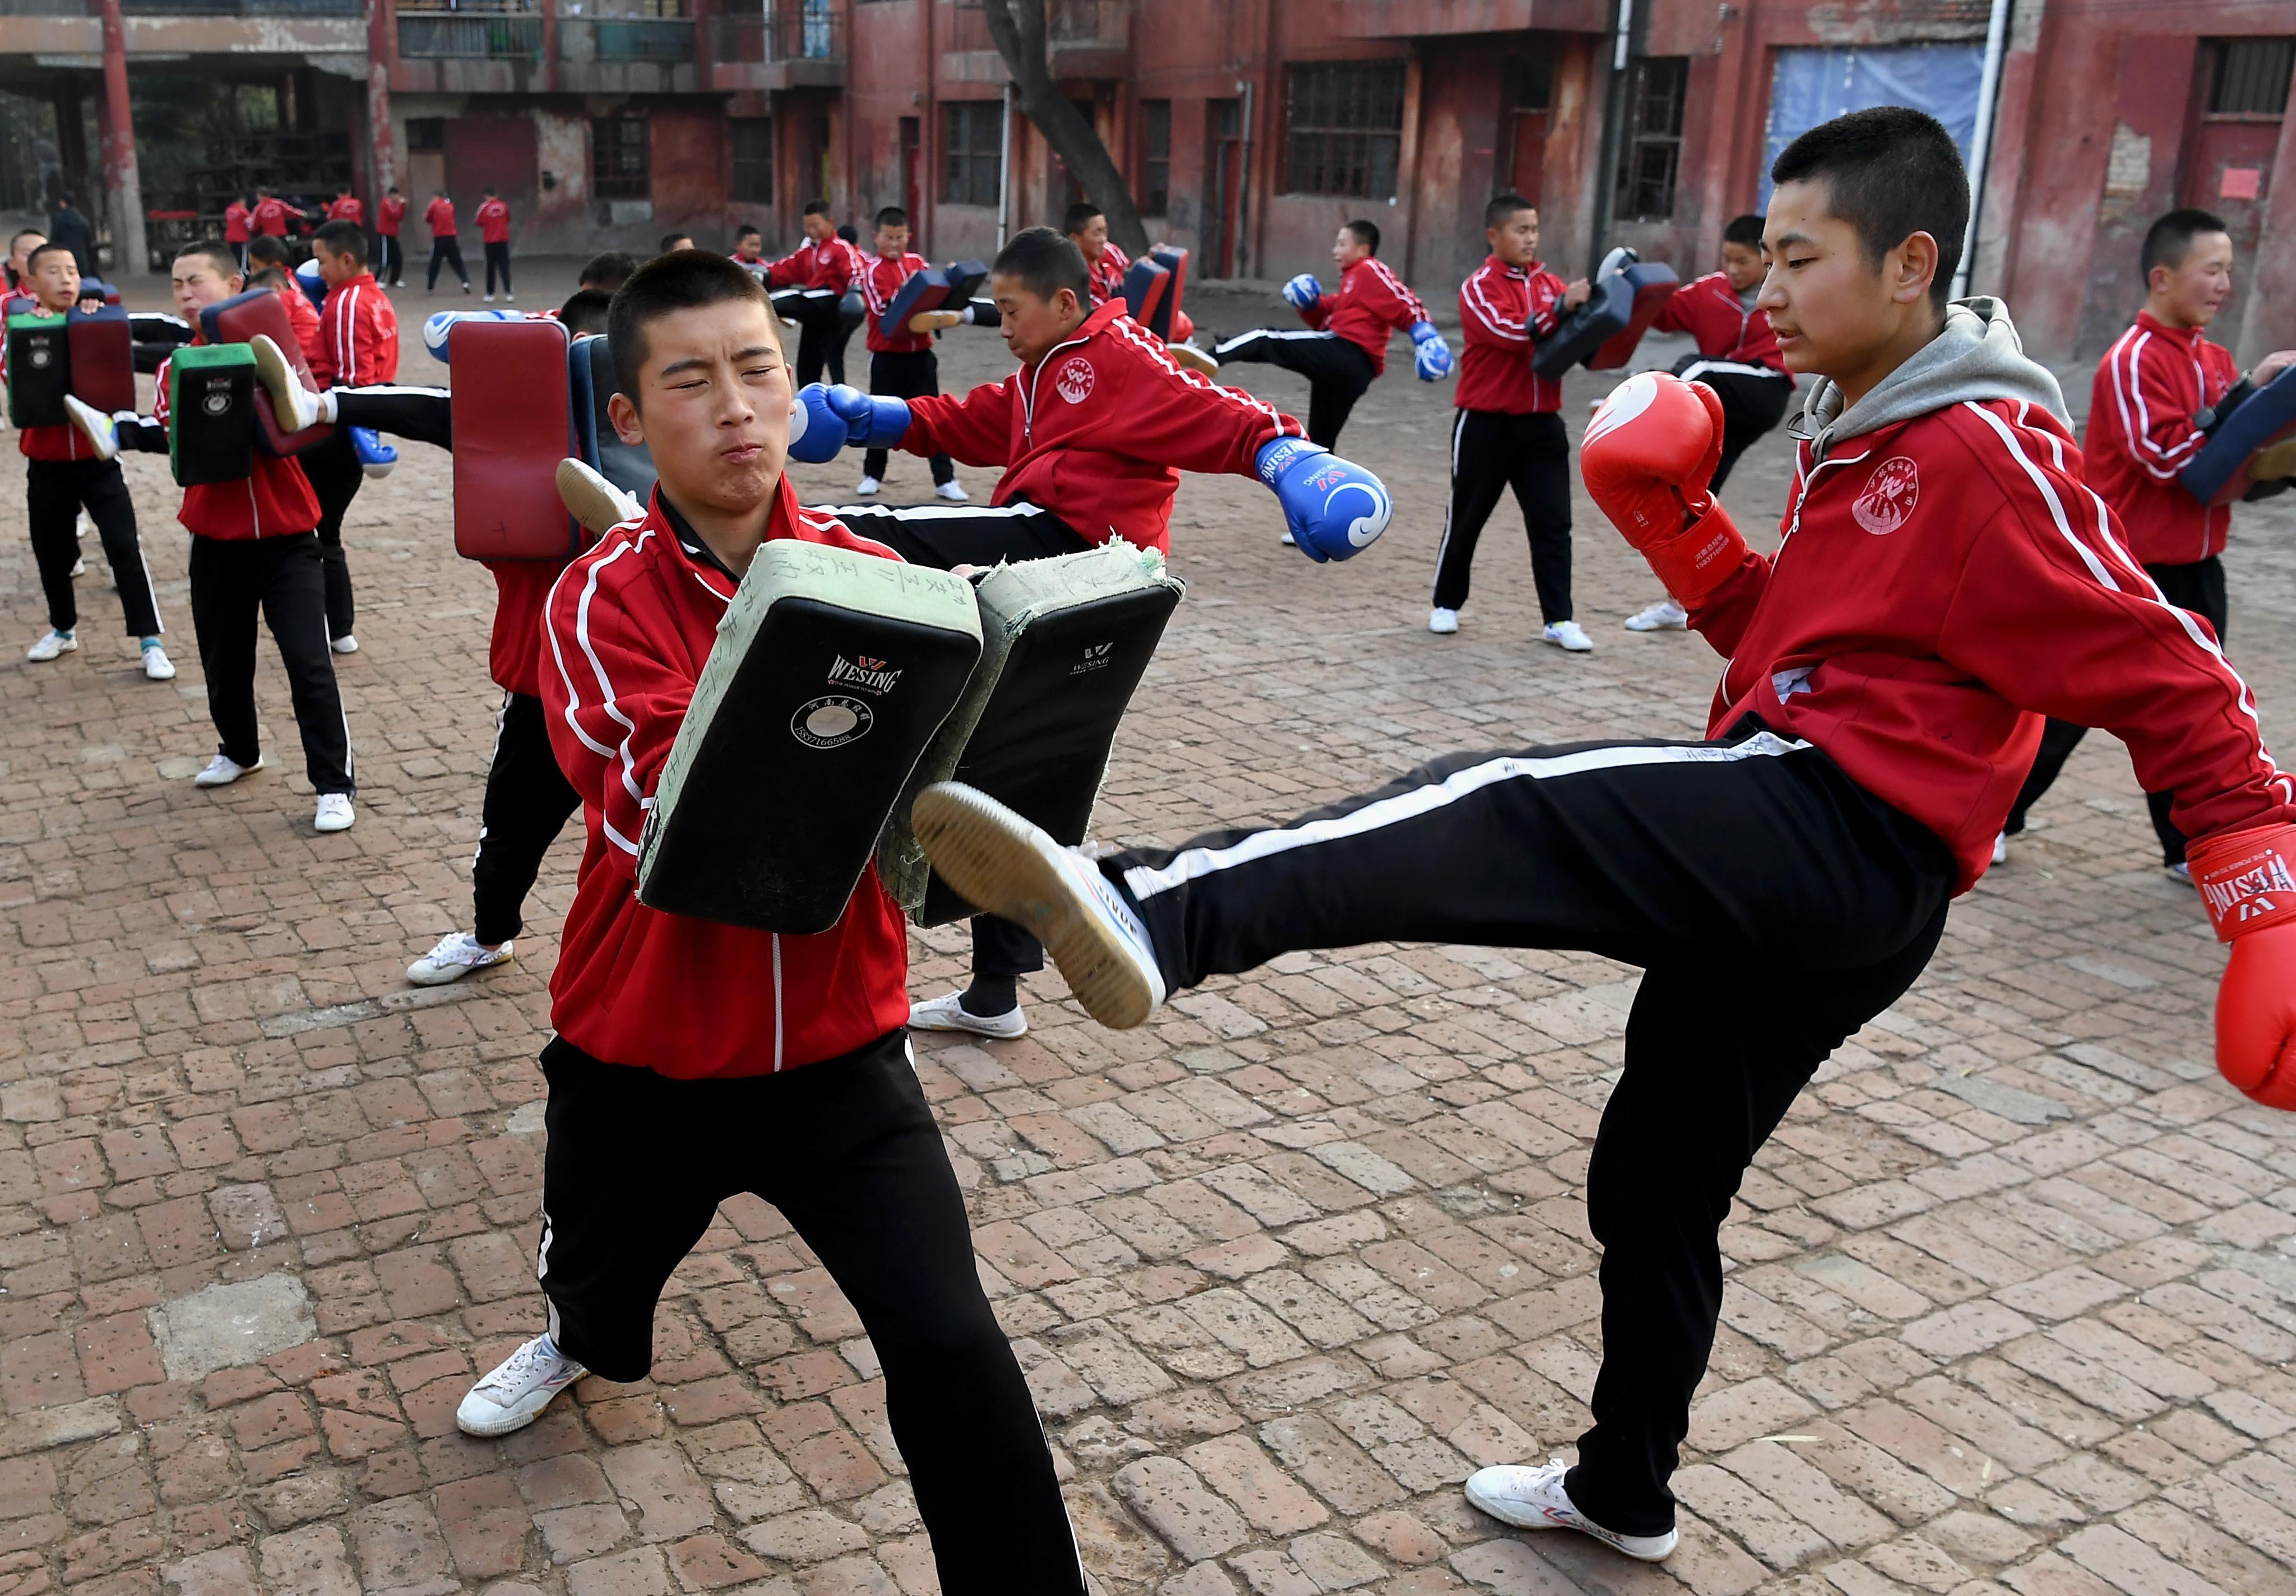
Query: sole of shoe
[511, 1421]
[978, 854]
[1192, 360]
[1655, 1549]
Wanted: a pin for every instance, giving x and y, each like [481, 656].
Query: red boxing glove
[1647, 457]
[2247, 882]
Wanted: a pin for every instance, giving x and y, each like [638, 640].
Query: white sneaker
[953, 491]
[345, 645]
[1568, 635]
[335, 813]
[2181, 870]
[946, 1013]
[1188, 357]
[514, 1394]
[457, 954]
[102, 433]
[295, 406]
[223, 770]
[157, 666]
[999, 862]
[509, 297]
[2001, 847]
[79, 566]
[1290, 542]
[1442, 622]
[50, 647]
[490, 298]
[593, 501]
[868, 487]
[1665, 616]
[1533, 1498]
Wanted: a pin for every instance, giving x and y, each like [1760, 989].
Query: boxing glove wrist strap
[2247, 879]
[1700, 557]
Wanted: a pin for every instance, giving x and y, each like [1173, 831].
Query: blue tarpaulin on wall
[1810, 87]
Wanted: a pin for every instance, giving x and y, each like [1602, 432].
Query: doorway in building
[1530, 88]
[1223, 186]
[497, 152]
[2244, 96]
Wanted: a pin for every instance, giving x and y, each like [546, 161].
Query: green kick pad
[831, 671]
[211, 422]
[1065, 643]
[39, 369]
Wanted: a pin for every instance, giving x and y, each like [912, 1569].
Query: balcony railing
[667, 41]
[806, 32]
[243, 8]
[439, 35]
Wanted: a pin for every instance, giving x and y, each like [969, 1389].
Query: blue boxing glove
[1432, 360]
[435, 328]
[817, 431]
[375, 457]
[870, 423]
[1303, 293]
[314, 286]
[1334, 507]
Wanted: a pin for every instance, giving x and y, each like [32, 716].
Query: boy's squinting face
[1833, 314]
[2191, 292]
[1515, 240]
[1091, 238]
[55, 280]
[715, 406]
[1347, 249]
[1742, 266]
[198, 284]
[893, 242]
[1033, 324]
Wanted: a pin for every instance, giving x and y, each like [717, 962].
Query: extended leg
[423, 414]
[527, 801]
[947, 536]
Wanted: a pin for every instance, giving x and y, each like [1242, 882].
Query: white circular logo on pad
[832, 721]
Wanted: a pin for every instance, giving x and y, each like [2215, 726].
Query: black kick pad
[627, 466]
[211, 422]
[39, 370]
[2256, 443]
[830, 673]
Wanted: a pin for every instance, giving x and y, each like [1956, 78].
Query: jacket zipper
[1029, 396]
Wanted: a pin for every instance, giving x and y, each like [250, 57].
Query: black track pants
[423, 415]
[904, 374]
[54, 490]
[335, 476]
[446, 251]
[283, 578]
[527, 802]
[1753, 397]
[1491, 453]
[1338, 372]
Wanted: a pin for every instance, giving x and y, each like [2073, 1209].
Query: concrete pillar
[123, 187]
[382, 49]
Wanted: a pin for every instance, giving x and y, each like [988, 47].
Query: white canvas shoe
[457, 954]
[102, 433]
[157, 666]
[2001, 847]
[868, 487]
[514, 1392]
[1665, 616]
[345, 645]
[948, 1013]
[295, 406]
[223, 770]
[953, 491]
[50, 646]
[1569, 636]
[334, 813]
[1532, 1497]
[1442, 622]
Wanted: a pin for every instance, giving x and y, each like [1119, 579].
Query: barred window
[753, 160]
[1155, 157]
[1342, 128]
[2250, 77]
[619, 166]
[973, 149]
[1653, 150]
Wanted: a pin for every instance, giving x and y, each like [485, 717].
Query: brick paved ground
[2014, 1291]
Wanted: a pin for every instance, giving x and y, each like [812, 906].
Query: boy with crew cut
[749, 252]
[679, 1076]
[902, 365]
[1088, 229]
[1737, 356]
[810, 283]
[1509, 430]
[1950, 579]
[1093, 430]
[446, 241]
[2158, 393]
[358, 348]
[493, 217]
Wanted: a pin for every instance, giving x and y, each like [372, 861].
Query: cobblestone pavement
[2013, 1298]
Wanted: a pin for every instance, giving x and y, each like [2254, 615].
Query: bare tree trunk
[1018, 28]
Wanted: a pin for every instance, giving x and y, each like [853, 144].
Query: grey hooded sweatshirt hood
[1977, 355]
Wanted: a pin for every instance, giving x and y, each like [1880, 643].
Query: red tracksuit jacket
[1372, 303]
[275, 501]
[304, 317]
[1709, 310]
[832, 264]
[2141, 434]
[358, 335]
[515, 648]
[1504, 310]
[350, 207]
[493, 217]
[234, 223]
[629, 626]
[271, 216]
[1944, 583]
[1108, 273]
[880, 285]
[387, 215]
[1100, 429]
[439, 216]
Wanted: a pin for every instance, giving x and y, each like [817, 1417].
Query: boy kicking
[679, 1076]
[1786, 881]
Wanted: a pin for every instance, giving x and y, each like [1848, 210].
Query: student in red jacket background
[810, 283]
[1509, 431]
[1948, 580]
[446, 241]
[272, 214]
[2156, 394]
[390, 216]
[1088, 229]
[238, 227]
[494, 235]
[358, 346]
[902, 365]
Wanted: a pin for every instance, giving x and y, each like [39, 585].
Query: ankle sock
[149, 643]
[989, 996]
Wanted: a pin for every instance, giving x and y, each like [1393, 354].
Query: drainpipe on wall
[1243, 183]
[1981, 143]
[1004, 172]
[1614, 122]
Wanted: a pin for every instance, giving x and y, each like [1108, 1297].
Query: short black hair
[1890, 172]
[270, 277]
[608, 270]
[585, 311]
[671, 241]
[2169, 239]
[32, 261]
[1044, 262]
[1079, 215]
[1366, 232]
[488, 190]
[746, 230]
[269, 250]
[892, 215]
[392, 189]
[1746, 230]
[218, 254]
[845, 230]
[344, 238]
[1497, 213]
[20, 234]
[816, 207]
[681, 280]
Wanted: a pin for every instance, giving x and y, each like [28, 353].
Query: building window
[425, 133]
[1530, 83]
[753, 160]
[972, 148]
[619, 167]
[1342, 128]
[1653, 151]
[2251, 78]
[1155, 157]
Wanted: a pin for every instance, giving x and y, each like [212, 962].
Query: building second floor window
[1342, 128]
[619, 168]
[1155, 157]
[972, 151]
[753, 160]
[2250, 79]
[1652, 155]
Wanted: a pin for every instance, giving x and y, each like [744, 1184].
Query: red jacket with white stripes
[274, 501]
[2141, 434]
[514, 647]
[831, 264]
[1100, 429]
[389, 211]
[1107, 273]
[1371, 305]
[1503, 310]
[358, 335]
[493, 217]
[1711, 311]
[628, 627]
[881, 284]
[1944, 583]
[350, 207]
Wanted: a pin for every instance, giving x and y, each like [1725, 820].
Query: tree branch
[1017, 29]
